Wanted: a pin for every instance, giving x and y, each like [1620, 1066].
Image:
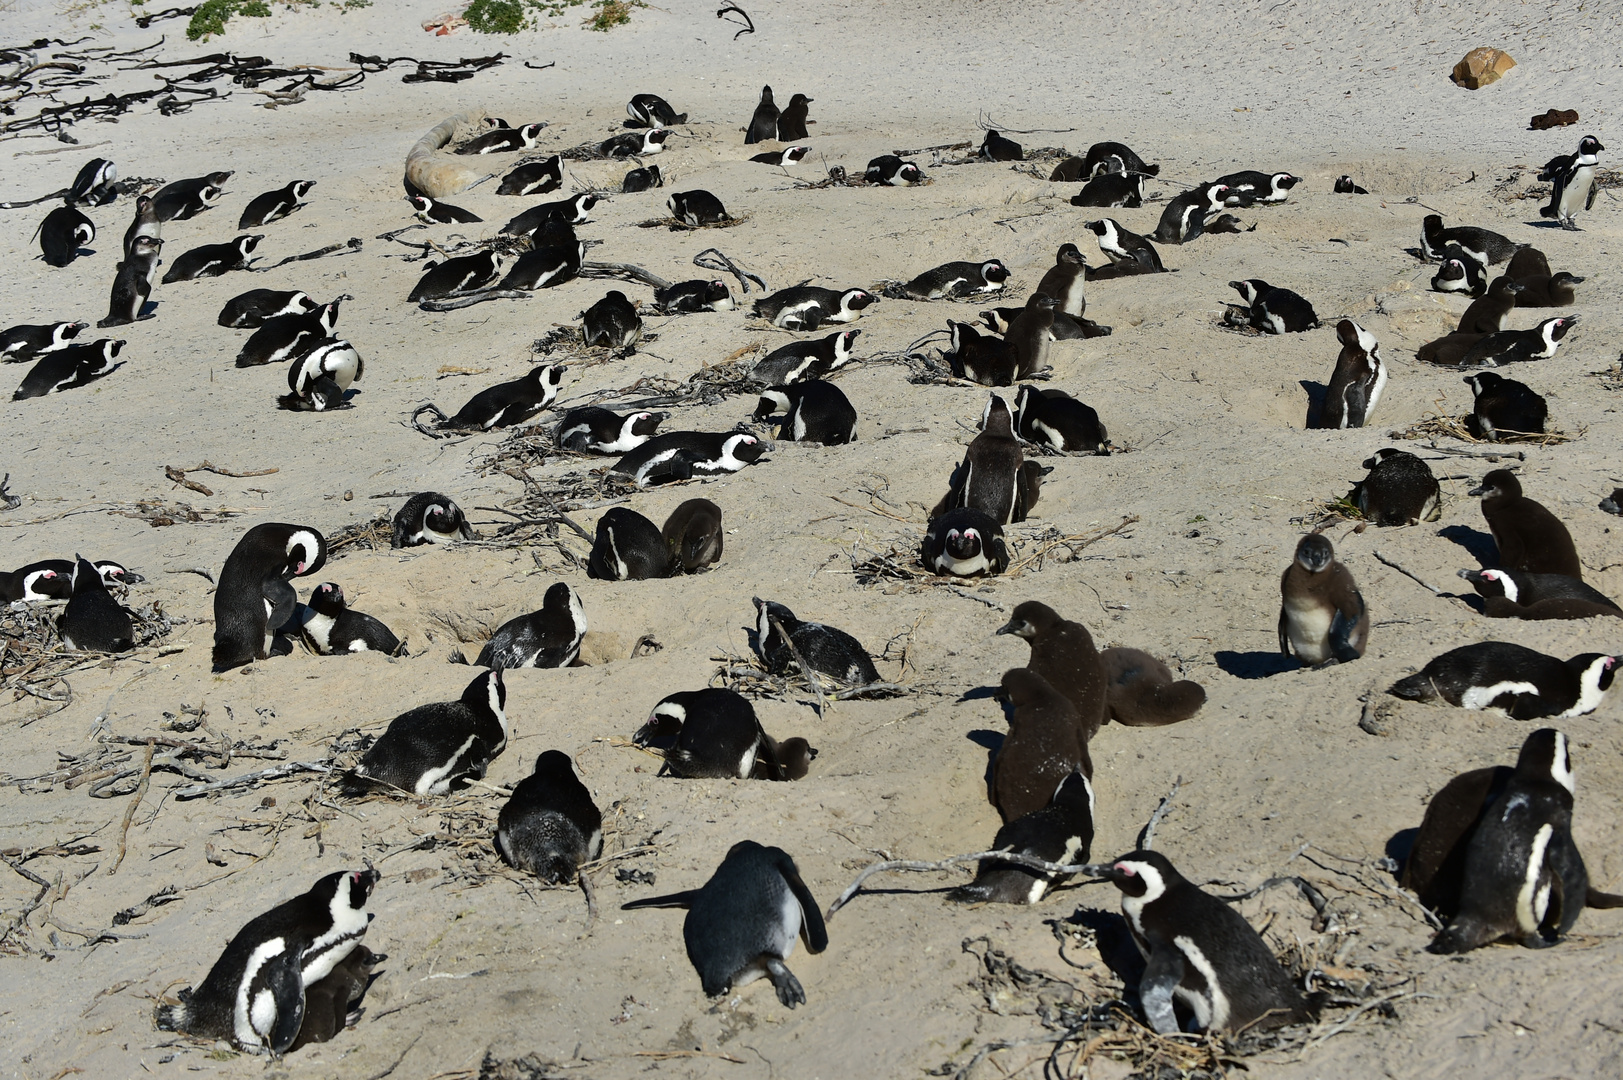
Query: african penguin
[63, 232]
[575, 210]
[145, 224]
[1356, 384]
[1504, 407]
[1459, 273]
[185, 199]
[1399, 490]
[132, 283]
[806, 307]
[1184, 218]
[1554, 290]
[682, 455]
[36, 581]
[1574, 182]
[634, 144]
[27, 341]
[250, 310]
[957, 279]
[792, 120]
[431, 749]
[436, 212]
[1322, 617]
[1251, 186]
[275, 205]
[1029, 335]
[534, 178]
[1512, 679]
[1509, 594]
[994, 147]
[457, 277]
[212, 260]
[805, 359]
[612, 322]
[65, 369]
[545, 267]
[1125, 249]
[510, 403]
[814, 411]
[651, 110]
[1483, 245]
[1344, 185]
[1064, 327]
[1274, 310]
[1064, 281]
[1487, 313]
[550, 825]
[429, 518]
[1528, 537]
[1099, 155]
[594, 430]
[288, 337]
[994, 476]
[1043, 747]
[714, 733]
[332, 627]
[1142, 692]
[628, 547]
[1055, 419]
[334, 361]
[1111, 190]
[1063, 653]
[888, 170]
[689, 297]
[827, 650]
[93, 621]
[95, 184]
[253, 599]
[548, 638]
[964, 543]
[763, 125]
[1520, 346]
[642, 179]
[502, 140]
[329, 1003]
[789, 155]
[1061, 832]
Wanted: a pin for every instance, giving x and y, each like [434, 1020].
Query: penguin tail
[973, 893]
[1152, 170]
[1597, 899]
[174, 1017]
[456, 657]
[1417, 687]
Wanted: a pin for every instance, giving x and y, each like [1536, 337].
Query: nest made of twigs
[675, 225]
[1435, 425]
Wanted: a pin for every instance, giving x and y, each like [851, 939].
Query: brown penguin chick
[1548, 290]
[1063, 653]
[1029, 335]
[994, 477]
[1322, 618]
[1142, 693]
[792, 121]
[327, 1001]
[1064, 281]
[1529, 262]
[693, 533]
[1487, 315]
[1448, 351]
[1043, 746]
[1435, 868]
[1529, 537]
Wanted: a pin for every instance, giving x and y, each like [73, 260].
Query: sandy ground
[1217, 470]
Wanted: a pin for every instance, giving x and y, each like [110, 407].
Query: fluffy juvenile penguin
[792, 121]
[429, 518]
[1064, 282]
[66, 369]
[1573, 177]
[93, 621]
[814, 411]
[275, 205]
[1552, 291]
[331, 627]
[252, 309]
[1063, 653]
[534, 177]
[212, 260]
[825, 649]
[1487, 315]
[594, 430]
[994, 477]
[1399, 490]
[1356, 384]
[63, 232]
[805, 359]
[1056, 419]
[254, 995]
[628, 547]
[132, 283]
[964, 543]
[1200, 952]
[714, 733]
[1029, 335]
[510, 403]
[612, 322]
[550, 825]
[682, 455]
[763, 126]
[741, 926]
[1504, 407]
[253, 599]
[1512, 679]
[433, 748]
[1043, 747]
[1322, 617]
[1508, 594]
[1061, 832]
[1142, 692]
[329, 1003]
[548, 638]
[1528, 536]
[693, 534]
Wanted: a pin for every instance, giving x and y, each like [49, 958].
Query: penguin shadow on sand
[986, 739]
[1255, 665]
[1479, 544]
[1316, 392]
[1115, 943]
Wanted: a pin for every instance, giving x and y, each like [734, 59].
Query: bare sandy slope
[1216, 465]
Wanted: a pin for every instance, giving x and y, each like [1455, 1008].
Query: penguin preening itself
[651, 110]
[505, 404]
[1063, 653]
[953, 280]
[994, 476]
[63, 232]
[429, 518]
[612, 322]
[1128, 252]
[1509, 594]
[1512, 679]
[212, 260]
[146, 223]
[789, 155]
[591, 429]
[252, 309]
[1098, 158]
[434, 748]
[332, 627]
[1487, 247]
[1573, 176]
[715, 734]
[93, 621]
[682, 455]
[1056, 419]
[317, 380]
[888, 170]
[642, 180]
[548, 638]
[503, 140]
[964, 543]
[1356, 384]
[254, 995]
[550, 825]
[65, 369]
[253, 600]
[132, 283]
[805, 359]
[792, 121]
[1043, 747]
[814, 411]
[763, 126]
[435, 212]
[185, 199]
[741, 926]
[534, 177]
[634, 144]
[1504, 406]
[806, 307]
[1250, 186]
[28, 341]
[94, 184]
[1528, 536]
[691, 297]
[1200, 952]
[1185, 216]
[827, 650]
[1399, 490]
[287, 337]
[1061, 832]
[1142, 692]
[1322, 617]
[1274, 310]
[275, 205]
[1487, 314]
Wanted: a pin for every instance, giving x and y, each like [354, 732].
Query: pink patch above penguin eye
[300, 569]
[1125, 869]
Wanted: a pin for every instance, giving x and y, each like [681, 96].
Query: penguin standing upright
[763, 125]
[1322, 617]
[1573, 176]
[1528, 536]
[433, 748]
[93, 620]
[1487, 314]
[132, 283]
[792, 121]
[1043, 747]
[253, 599]
[550, 825]
[994, 477]
[548, 638]
[146, 223]
[1064, 281]
[1357, 382]
[1063, 653]
[741, 926]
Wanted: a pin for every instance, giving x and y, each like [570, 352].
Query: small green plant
[497, 16]
[611, 13]
[513, 16]
[212, 15]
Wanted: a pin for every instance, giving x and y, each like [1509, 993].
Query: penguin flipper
[1596, 899]
[283, 600]
[677, 900]
[286, 985]
[1342, 629]
[812, 930]
[1161, 977]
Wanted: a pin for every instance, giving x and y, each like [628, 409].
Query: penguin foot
[784, 981]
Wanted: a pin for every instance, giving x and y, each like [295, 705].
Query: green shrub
[211, 16]
[512, 16]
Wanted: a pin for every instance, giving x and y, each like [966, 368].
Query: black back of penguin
[712, 733]
[993, 476]
[612, 322]
[1523, 683]
[1061, 832]
[549, 826]
[814, 411]
[69, 368]
[825, 649]
[1357, 381]
[433, 748]
[132, 282]
[275, 205]
[805, 359]
[1503, 406]
[628, 547]
[63, 232]
[1398, 490]
[253, 599]
[763, 124]
[591, 429]
[548, 638]
[185, 199]
[1057, 419]
[331, 626]
[93, 620]
[509, 403]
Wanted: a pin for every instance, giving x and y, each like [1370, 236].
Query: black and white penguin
[27, 341]
[94, 184]
[642, 180]
[1344, 185]
[575, 210]
[434, 748]
[254, 995]
[1274, 310]
[1399, 490]
[334, 361]
[651, 110]
[1554, 290]
[697, 208]
[637, 144]
[1504, 407]
[1056, 419]
[612, 322]
[994, 476]
[1356, 384]
[503, 140]
[827, 650]
[545, 267]
[1061, 832]
[1520, 346]
[65, 369]
[330, 1003]
[275, 205]
[1510, 594]
[995, 147]
[792, 121]
[286, 337]
[964, 543]
[814, 411]
[37, 581]
[1487, 247]
[1097, 161]
[1125, 249]
[253, 600]
[628, 547]
[1529, 538]
[1111, 190]
[145, 224]
[1573, 177]
[509, 403]
[548, 638]
[594, 430]
[763, 126]
[682, 455]
[1459, 273]
[741, 926]
[132, 283]
[63, 232]
[1322, 617]
[429, 518]
[435, 212]
[1184, 218]
[212, 260]
[1250, 186]
[690, 297]
[1063, 653]
[957, 279]
[714, 733]
[458, 277]
[1143, 693]
[805, 359]
[550, 825]
[185, 199]
[331, 627]
[806, 307]
[694, 535]
[888, 170]
[252, 309]
[1487, 314]
[1512, 679]
[93, 621]
[1063, 328]
[1200, 952]
[789, 155]
[534, 178]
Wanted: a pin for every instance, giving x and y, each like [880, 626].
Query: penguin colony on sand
[1494, 857]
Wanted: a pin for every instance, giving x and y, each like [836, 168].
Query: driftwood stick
[1400, 568]
[475, 298]
[947, 864]
[625, 270]
[1146, 835]
[275, 772]
[129, 811]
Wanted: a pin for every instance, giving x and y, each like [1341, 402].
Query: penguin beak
[1011, 627]
[1477, 491]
